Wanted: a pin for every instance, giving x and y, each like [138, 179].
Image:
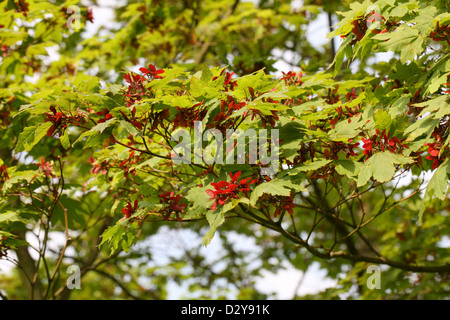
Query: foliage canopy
[359, 148]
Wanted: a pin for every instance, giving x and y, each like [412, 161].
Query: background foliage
[86, 142]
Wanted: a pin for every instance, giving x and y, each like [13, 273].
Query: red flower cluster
[129, 161]
[331, 149]
[89, 15]
[56, 119]
[5, 49]
[360, 25]
[104, 112]
[60, 121]
[436, 147]
[135, 90]
[382, 141]
[125, 165]
[224, 191]
[332, 97]
[22, 7]
[4, 118]
[222, 121]
[292, 78]
[174, 205]
[433, 150]
[447, 85]
[265, 119]
[359, 29]
[285, 204]
[442, 33]
[46, 168]
[227, 83]
[132, 78]
[351, 95]
[447, 90]
[411, 104]
[302, 153]
[374, 16]
[102, 168]
[129, 209]
[187, 116]
[347, 113]
[281, 203]
[152, 72]
[133, 119]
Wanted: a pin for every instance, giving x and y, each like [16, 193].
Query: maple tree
[88, 148]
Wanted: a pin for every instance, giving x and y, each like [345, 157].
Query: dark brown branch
[118, 283]
[333, 46]
[29, 269]
[323, 253]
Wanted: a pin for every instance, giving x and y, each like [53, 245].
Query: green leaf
[201, 91]
[207, 75]
[76, 213]
[307, 106]
[274, 187]
[399, 11]
[381, 166]
[312, 166]
[215, 219]
[129, 127]
[437, 82]
[30, 136]
[100, 127]
[200, 201]
[404, 39]
[259, 81]
[420, 127]
[382, 120]
[94, 140]
[10, 216]
[92, 85]
[399, 105]
[122, 235]
[94, 135]
[18, 177]
[411, 50]
[169, 75]
[152, 163]
[443, 18]
[437, 187]
[64, 139]
[233, 204]
[345, 50]
[440, 106]
[345, 25]
[12, 241]
[348, 168]
[113, 235]
[291, 135]
[345, 130]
